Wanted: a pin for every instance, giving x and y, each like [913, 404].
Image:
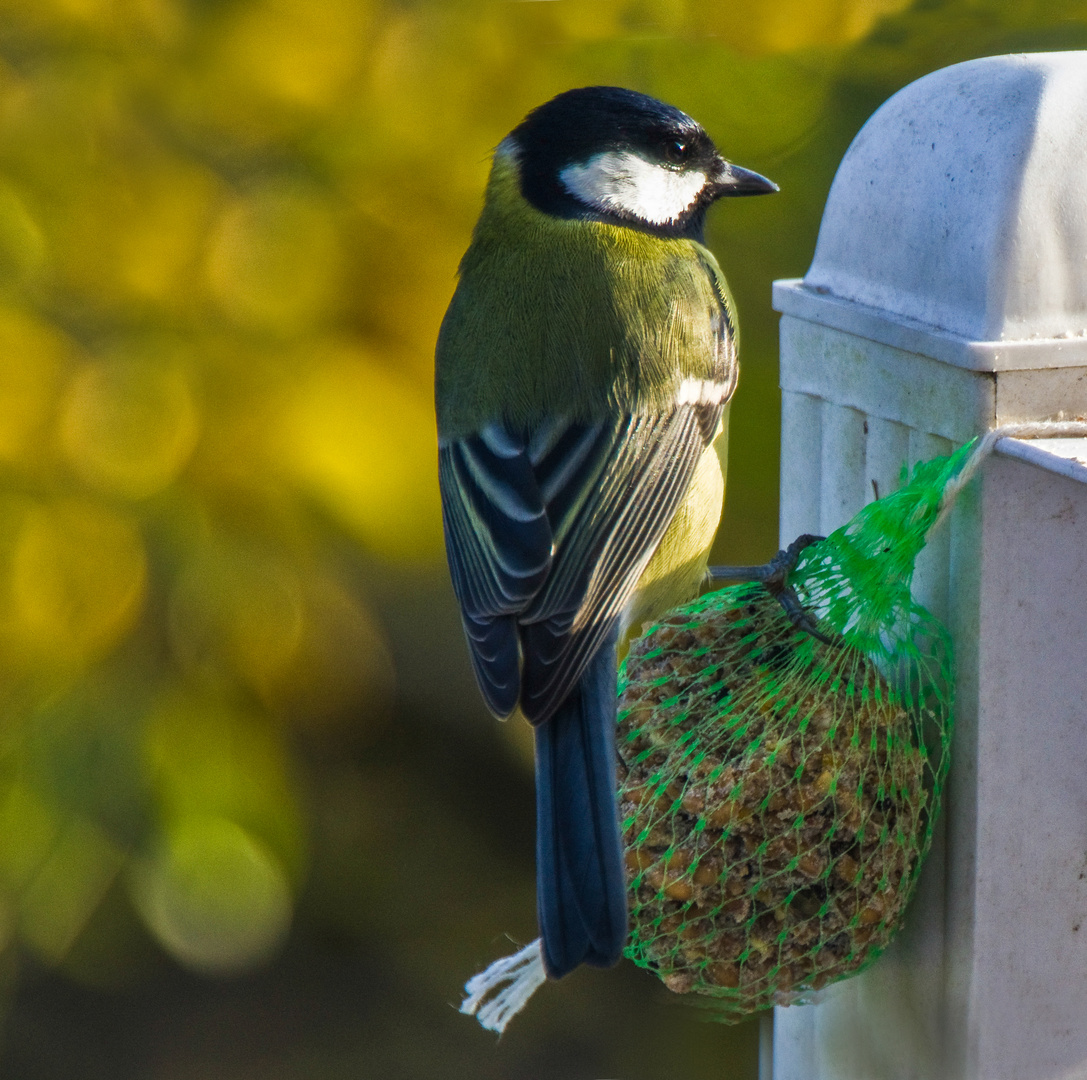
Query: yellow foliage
[757, 28]
[108, 17]
[128, 425]
[75, 583]
[274, 258]
[35, 356]
[169, 209]
[295, 51]
[363, 441]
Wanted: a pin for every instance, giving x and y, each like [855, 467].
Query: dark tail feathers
[581, 894]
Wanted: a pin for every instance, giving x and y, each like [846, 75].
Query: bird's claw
[774, 575]
[799, 615]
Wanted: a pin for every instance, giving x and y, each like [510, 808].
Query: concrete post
[948, 294]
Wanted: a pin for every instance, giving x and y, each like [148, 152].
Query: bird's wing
[548, 532]
[605, 534]
[498, 540]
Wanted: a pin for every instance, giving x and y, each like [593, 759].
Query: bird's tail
[580, 891]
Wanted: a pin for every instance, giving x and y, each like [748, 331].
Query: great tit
[583, 371]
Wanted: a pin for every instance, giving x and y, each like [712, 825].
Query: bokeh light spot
[306, 645]
[165, 218]
[275, 260]
[214, 895]
[77, 581]
[128, 428]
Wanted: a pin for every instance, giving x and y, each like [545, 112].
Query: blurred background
[254, 821]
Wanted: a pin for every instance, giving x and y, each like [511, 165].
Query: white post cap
[959, 213]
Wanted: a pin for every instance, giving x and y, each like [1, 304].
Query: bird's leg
[774, 575]
[777, 569]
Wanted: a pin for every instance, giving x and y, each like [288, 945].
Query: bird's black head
[608, 154]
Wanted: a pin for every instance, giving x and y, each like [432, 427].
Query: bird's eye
[675, 151]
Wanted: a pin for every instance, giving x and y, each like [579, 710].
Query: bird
[583, 372]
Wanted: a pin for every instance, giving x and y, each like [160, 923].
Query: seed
[679, 890]
[871, 913]
[679, 982]
[721, 974]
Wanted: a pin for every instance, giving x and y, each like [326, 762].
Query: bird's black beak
[733, 180]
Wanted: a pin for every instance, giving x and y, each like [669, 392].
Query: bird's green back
[563, 317]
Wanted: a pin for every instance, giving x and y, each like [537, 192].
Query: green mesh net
[778, 794]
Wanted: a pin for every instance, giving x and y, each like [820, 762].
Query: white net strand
[495, 996]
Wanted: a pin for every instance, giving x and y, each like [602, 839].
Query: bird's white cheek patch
[619, 181]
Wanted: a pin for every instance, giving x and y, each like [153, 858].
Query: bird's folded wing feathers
[608, 544]
[498, 540]
[547, 535]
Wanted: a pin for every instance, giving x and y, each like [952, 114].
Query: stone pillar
[947, 295]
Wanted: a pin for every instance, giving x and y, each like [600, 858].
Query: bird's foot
[774, 575]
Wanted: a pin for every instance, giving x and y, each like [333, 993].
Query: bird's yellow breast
[678, 568]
